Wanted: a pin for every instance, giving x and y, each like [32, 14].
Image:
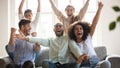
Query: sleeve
[20, 16]
[11, 48]
[43, 42]
[58, 13]
[35, 22]
[74, 48]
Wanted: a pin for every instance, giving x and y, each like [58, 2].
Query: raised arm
[38, 8]
[83, 10]
[21, 7]
[96, 18]
[57, 12]
[12, 35]
[11, 44]
[36, 20]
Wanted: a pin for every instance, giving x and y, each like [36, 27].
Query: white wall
[4, 19]
[109, 38]
[7, 16]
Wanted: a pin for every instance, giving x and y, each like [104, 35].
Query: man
[23, 51]
[60, 49]
[29, 16]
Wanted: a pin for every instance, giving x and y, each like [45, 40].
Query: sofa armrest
[114, 60]
[104, 64]
[4, 61]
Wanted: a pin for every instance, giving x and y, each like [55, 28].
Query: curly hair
[86, 29]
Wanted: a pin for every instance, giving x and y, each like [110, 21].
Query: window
[48, 19]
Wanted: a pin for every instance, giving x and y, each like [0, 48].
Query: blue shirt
[22, 51]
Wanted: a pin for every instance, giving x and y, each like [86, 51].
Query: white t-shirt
[87, 47]
[34, 22]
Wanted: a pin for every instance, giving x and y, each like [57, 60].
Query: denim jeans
[11, 65]
[92, 62]
[27, 64]
[48, 64]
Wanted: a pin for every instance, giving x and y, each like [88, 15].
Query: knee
[105, 64]
[45, 64]
[28, 64]
[10, 66]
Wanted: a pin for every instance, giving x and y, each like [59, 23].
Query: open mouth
[59, 31]
[79, 33]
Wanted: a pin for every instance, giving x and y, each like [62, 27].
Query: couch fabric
[114, 62]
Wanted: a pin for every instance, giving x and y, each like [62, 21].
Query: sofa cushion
[43, 56]
[101, 52]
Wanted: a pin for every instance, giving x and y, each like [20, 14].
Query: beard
[60, 34]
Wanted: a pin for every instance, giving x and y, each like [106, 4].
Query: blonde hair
[69, 6]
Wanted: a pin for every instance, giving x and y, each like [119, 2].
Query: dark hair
[86, 29]
[23, 22]
[27, 11]
[28, 64]
[74, 18]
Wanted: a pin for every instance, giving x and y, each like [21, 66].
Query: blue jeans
[27, 64]
[48, 64]
[11, 65]
[92, 62]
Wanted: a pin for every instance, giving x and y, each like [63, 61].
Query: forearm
[83, 10]
[11, 40]
[95, 20]
[39, 7]
[21, 6]
[56, 11]
[43, 42]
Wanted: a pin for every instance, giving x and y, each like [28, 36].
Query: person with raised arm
[24, 53]
[29, 16]
[70, 10]
[82, 33]
[60, 49]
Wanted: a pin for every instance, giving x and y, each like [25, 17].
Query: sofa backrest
[101, 53]
[43, 56]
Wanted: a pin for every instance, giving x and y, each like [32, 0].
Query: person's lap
[48, 64]
[27, 64]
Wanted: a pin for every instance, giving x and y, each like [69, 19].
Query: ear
[22, 27]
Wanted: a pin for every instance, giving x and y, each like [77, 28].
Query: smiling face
[69, 10]
[28, 16]
[26, 29]
[58, 29]
[78, 31]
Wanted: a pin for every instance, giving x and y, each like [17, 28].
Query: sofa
[105, 60]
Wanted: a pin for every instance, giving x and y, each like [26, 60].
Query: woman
[82, 33]
[70, 10]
